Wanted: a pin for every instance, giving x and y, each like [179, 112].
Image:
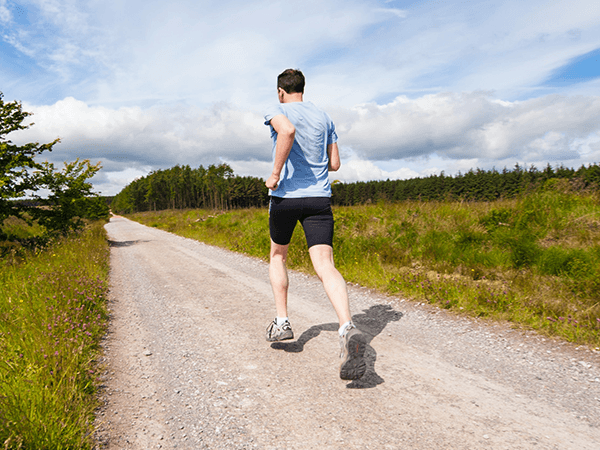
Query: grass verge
[533, 261]
[52, 316]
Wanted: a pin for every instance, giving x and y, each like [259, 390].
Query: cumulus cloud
[414, 136]
[155, 136]
[364, 170]
[467, 125]
[593, 150]
[111, 183]
[250, 167]
[130, 141]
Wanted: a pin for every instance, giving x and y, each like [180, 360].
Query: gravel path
[187, 365]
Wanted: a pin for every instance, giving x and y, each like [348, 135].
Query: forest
[182, 187]
[217, 187]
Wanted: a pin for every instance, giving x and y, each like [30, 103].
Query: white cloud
[193, 50]
[364, 170]
[111, 183]
[250, 168]
[415, 135]
[132, 138]
[433, 86]
[400, 13]
[592, 155]
[509, 47]
[5, 15]
[470, 124]
[586, 89]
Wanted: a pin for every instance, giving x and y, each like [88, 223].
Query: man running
[304, 151]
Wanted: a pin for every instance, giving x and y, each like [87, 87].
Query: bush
[573, 263]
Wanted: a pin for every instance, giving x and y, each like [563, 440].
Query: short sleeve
[273, 111]
[332, 136]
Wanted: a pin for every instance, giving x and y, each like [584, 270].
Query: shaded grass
[52, 315]
[534, 261]
[18, 238]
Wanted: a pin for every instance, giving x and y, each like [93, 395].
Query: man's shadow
[371, 322]
[123, 243]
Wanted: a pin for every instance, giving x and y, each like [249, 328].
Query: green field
[52, 316]
[532, 261]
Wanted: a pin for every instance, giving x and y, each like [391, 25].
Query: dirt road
[187, 365]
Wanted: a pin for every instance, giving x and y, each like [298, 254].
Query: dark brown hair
[291, 80]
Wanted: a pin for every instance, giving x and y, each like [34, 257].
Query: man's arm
[334, 157]
[285, 139]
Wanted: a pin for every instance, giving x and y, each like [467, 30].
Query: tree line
[216, 187]
[180, 187]
[475, 185]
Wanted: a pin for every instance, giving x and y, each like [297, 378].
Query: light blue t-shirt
[306, 171]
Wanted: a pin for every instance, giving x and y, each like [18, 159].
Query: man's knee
[278, 251]
[321, 256]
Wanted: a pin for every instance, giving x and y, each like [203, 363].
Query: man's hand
[272, 182]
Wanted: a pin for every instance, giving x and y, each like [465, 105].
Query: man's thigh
[284, 213]
[317, 221]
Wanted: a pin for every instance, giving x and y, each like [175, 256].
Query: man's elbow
[334, 166]
[289, 131]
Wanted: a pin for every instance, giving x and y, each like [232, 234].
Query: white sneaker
[279, 332]
[353, 344]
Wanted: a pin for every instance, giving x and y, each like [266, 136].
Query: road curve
[186, 365]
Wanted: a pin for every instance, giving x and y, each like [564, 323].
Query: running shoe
[353, 345]
[279, 332]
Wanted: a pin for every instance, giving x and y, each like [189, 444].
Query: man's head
[291, 81]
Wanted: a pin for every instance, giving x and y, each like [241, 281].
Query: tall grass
[534, 261]
[52, 315]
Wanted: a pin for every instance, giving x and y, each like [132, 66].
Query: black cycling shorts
[314, 213]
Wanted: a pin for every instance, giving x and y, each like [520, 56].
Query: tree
[70, 198]
[16, 162]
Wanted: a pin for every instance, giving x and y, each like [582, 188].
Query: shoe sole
[354, 366]
[284, 338]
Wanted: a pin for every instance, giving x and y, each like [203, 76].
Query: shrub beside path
[187, 366]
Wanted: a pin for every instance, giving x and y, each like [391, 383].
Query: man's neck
[291, 98]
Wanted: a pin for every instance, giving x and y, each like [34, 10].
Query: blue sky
[414, 87]
[579, 70]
